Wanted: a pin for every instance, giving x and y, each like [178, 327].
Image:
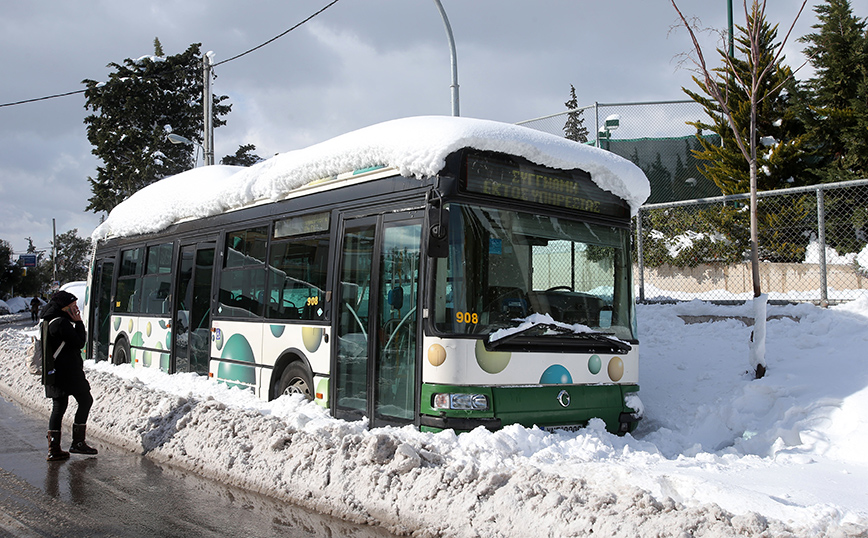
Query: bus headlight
[463, 401]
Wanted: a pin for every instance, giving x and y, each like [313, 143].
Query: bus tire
[295, 379]
[122, 352]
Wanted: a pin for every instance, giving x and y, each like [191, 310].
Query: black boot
[54, 451]
[79, 445]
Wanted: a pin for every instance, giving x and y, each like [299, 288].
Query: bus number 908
[467, 317]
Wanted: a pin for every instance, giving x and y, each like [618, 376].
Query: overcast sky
[358, 63]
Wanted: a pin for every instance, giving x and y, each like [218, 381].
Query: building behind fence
[691, 242]
[655, 136]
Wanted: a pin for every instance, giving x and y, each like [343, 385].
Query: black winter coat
[69, 367]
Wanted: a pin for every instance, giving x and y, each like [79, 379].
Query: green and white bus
[436, 271]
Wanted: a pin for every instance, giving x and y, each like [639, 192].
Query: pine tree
[634, 157]
[574, 128]
[142, 101]
[244, 156]
[838, 105]
[36, 280]
[782, 158]
[682, 185]
[10, 272]
[661, 182]
[700, 186]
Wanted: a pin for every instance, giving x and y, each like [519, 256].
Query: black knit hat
[63, 298]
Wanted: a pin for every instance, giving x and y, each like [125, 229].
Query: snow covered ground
[718, 454]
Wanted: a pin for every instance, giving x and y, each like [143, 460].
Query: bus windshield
[505, 266]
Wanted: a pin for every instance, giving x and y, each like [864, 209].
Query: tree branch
[712, 86]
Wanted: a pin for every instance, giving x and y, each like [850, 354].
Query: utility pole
[207, 103]
[54, 249]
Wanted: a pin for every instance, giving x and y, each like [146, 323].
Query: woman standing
[65, 338]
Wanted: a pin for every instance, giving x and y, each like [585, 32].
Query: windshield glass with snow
[505, 268]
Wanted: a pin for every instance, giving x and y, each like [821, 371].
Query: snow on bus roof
[415, 147]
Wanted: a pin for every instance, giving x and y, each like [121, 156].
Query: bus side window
[242, 292]
[156, 284]
[129, 284]
[297, 278]
[242, 281]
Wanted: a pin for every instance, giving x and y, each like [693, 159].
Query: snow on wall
[416, 147]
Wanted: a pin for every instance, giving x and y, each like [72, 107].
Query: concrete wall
[736, 278]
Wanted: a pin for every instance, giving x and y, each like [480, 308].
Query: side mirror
[438, 230]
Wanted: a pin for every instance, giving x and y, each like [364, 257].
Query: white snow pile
[15, 309]
[676, 244]
[18, 304]
[812, 255]
[718, 454]
[416, 147]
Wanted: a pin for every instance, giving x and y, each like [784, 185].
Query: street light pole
[453, 56]
[178, 139]
[729, 36]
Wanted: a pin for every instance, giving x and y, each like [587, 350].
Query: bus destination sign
[529, 183]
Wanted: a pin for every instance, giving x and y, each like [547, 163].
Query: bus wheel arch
[292, 375]
[121, 354]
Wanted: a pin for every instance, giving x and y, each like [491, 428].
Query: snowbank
[416, 147]
[15, 309]
[719, 453]
[812, 255]
[18, 304]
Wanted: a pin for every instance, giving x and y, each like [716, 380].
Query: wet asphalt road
[121, 494]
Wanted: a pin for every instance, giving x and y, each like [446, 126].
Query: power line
[43, 98]
[275, 38]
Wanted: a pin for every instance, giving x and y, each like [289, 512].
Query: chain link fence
[813, 246]
[692, 243]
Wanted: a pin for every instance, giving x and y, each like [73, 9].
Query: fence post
[640, 256]
[596, 124]
[821, 232]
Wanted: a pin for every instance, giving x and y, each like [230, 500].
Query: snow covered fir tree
[143, 101]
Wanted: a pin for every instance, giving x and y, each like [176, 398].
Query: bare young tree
[717, 86]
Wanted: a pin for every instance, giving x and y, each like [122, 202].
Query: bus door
[376, 323]
[101, 295]
[192, 309]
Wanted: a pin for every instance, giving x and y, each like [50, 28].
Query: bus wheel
[122, 352]
[296, 379]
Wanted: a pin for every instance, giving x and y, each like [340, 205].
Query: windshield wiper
[517, 331]
[619, 345]
[622, 347]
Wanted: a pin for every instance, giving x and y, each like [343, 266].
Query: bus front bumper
[464, 424]
[545, 406]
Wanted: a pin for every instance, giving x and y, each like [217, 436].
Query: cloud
[356, 64]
